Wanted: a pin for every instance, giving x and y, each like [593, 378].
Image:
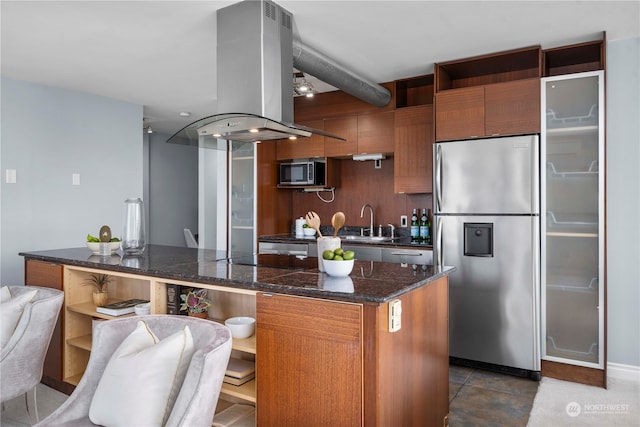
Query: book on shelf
[239, 371]
[173, 298]
[238, 381]
[120, 308]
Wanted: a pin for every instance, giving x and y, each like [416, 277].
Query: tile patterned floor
[483, 398]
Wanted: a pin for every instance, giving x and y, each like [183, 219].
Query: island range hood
[254, 80]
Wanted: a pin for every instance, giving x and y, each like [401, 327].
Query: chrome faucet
[362, 216]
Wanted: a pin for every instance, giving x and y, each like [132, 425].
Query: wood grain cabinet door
[413, 154]
[48, 275]
[308, 362]
[460, 113]
[376, 132]
[512, 108]
[345, 127]
[302, 148]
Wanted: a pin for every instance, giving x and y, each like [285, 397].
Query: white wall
[623, 201]
[47, 134]
[173, 191]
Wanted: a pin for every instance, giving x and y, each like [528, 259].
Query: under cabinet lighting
[363, 157]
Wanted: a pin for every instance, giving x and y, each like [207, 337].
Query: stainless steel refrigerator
[486, 207]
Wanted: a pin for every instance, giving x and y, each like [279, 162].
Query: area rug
[562, 403]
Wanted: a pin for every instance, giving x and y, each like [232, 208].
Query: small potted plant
[196, 303]
[99, 282]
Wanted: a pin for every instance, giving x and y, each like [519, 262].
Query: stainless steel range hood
[255, 79]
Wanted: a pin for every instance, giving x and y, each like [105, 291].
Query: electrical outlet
[403, 221]
[395, 315]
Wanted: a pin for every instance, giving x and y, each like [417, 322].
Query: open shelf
[246, 391]
[89, 309]
[73, 380]
[414, 91]
[517, 64]
[575, 58]
[83, 342]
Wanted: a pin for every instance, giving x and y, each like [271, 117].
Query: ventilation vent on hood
[255, 62]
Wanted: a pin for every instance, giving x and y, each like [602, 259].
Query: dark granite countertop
[400, 242]
[369, 282]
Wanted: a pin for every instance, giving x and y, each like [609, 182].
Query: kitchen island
[326, 352]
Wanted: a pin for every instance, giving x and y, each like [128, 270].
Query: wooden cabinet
[573, 258]
[302, 148]
[510, 108]
[460, 114]
[413, 154]
[364, 133]
[81, 314]
[489, 95]
[376, 132]
[310, 362]
[577, 58]
[326, 363]
[347, 128]
[49, 275]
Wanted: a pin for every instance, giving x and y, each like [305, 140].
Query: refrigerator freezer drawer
[493, 300]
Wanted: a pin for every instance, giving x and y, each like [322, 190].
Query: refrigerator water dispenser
[478, 239]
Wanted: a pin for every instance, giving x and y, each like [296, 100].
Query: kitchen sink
[367, 238]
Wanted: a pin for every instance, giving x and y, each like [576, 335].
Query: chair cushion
[142, 379]
[5, 294]
[10, 312]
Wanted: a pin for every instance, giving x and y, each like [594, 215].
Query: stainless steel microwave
[302, 173]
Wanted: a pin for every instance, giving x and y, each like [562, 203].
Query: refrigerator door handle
[438, 243]
[438, 177]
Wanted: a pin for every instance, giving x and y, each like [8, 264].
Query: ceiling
[161, 54]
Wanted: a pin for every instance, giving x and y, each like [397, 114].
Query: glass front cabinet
[572, 200]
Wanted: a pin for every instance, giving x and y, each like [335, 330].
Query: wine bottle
[424, 227]
[429, 231]
[415, 227]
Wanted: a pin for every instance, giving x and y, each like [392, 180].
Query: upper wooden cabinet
[512, 108]
[577, 58]
[413, 156]
[489, 95]
[346, 127]
[460, 114]
[376, 132]
[414, 91]
[302, 148]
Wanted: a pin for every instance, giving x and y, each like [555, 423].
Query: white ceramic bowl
[95, 247]
[144, 308]
[309, 231]
[338, 268]
[241, 327]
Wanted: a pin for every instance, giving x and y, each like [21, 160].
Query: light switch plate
[395, 315]
[10, 177]
[403, 221]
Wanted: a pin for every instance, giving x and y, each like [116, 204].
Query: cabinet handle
[267, 295]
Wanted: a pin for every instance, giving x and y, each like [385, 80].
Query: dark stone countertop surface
[369, 282]
[402, 241]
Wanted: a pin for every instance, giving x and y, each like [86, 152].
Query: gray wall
[623, 201]
[48, 134]
[173, 191]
